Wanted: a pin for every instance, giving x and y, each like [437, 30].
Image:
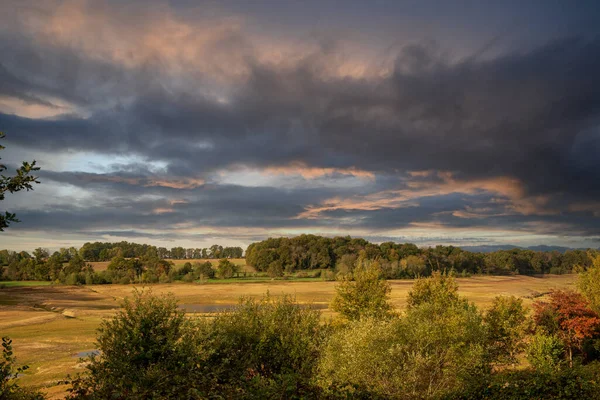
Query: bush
[74, 279]
[365, 297]
[437, 347]
[226, 269]
[204, 270]
[506, 324]
[570, 383]
[437, 289]
[589, 284]
[263, 349]
[275, 270]
[147, 351]
[546, 352]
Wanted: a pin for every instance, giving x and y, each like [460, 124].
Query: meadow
[53, 325]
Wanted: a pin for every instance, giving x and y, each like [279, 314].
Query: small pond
[86, 353]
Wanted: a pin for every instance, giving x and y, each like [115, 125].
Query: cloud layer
[176, 122]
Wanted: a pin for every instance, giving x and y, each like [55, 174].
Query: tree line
[130, 263]
[406, 260]
[102, 251]
[330, 258]
[440, 346]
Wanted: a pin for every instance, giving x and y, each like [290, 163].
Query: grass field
[24, 283]
[50, 325]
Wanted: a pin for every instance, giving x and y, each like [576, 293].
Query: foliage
[147, 351]
[437, 289]
[275, 269]
[102, 251]
[9, 389]
[506, 326]
[407, 260]
[571, 383]
[263, 349]
[545, 352]
[23, 180]
[436, 347]
[226, 269]
[364, 297]
[569, 317]
[589, 283]
[204, 270]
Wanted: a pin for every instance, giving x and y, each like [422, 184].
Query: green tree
[364, 297]
[589, 283]
[226, 269]
[506, 325]
[436, 347]
[23, 180]
[146, 352]
[275, 269]
[204, 270]
[263, 349]
[413, 266]
[437, 289]
[545, 352]
[41, 254]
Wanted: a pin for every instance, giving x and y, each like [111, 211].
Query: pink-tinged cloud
[176, 183]
[509, 189]
[167, 182]
[308, 172]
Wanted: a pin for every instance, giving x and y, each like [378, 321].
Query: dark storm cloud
[519, 115]
[530, 115]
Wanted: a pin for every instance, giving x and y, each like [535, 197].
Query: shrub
[545, 352]
[263, 349]
[226, 269]
[589, 284]
[147, 351]
[439, 288]
[327, 275]
[275, 269]
[365, 297]
[204, 270]
[437, 347]
[506, 324]
[569, 383]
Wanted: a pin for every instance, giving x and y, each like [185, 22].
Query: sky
[189, 123]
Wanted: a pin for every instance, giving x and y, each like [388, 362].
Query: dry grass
[51, 324]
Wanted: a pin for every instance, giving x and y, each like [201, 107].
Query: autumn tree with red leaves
[567, 315]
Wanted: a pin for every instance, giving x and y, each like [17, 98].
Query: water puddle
[87, 353]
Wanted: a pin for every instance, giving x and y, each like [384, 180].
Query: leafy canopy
[364, 297]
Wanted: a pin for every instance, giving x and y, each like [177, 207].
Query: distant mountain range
[491, 248]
